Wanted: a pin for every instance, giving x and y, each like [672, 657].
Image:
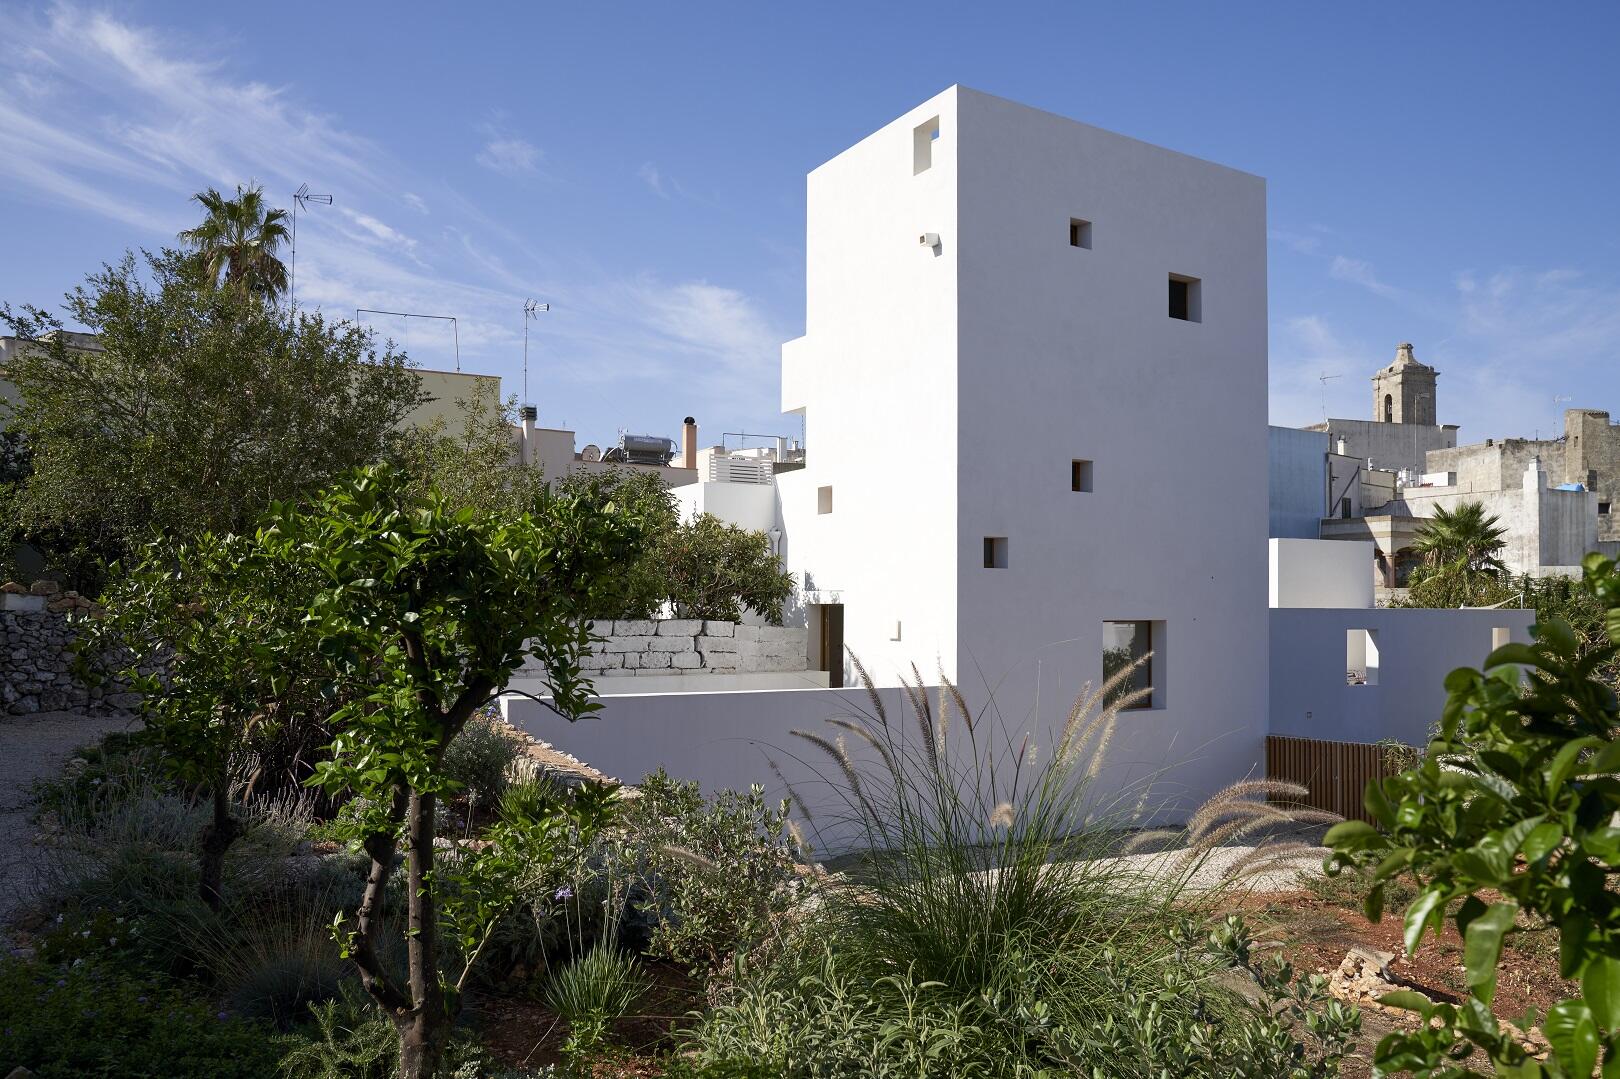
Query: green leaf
[1482, 948]
[1351, 835]
[1561, 766]
[1600, 985]
[1425, 910]
[1408, 1000]
[1542, 840]
[1573, 1034]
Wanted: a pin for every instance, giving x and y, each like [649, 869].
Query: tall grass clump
[984, 924]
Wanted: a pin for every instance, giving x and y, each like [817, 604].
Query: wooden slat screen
[1335, 773]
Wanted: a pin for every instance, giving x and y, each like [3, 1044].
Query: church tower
[1403, 392]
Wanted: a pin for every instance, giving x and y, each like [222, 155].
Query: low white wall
[731, 740]
[1416, 650]
[746, 505]
[1321, 573]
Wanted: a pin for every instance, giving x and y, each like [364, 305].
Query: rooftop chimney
[529, 414]
[689, 443]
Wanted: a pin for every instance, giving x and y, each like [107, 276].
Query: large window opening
[1128, 647]
[1361, 657]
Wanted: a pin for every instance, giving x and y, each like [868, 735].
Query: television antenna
[301, 200]
[531, 309]
[455, 328]
[1324, 378]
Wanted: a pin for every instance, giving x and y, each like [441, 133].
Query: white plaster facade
[948, 388]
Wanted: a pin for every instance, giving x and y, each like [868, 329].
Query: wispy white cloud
[140, 119]
[1360, 272]
[650, 176]
[506, 153]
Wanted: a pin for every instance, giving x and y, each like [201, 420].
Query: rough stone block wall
[687, 646]
[36, 668]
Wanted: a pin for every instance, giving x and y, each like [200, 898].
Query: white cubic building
[1031, 348]
[1033, 389]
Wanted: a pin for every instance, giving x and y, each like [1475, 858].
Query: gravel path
[33, 748]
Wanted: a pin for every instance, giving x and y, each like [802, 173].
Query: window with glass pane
[1124, 644]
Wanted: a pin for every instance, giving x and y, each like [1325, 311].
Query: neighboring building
[11, 347]
[450, 395]
[1588, 455]
[1403, 426]
[1309, 482]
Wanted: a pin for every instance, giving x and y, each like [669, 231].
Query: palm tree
[1459, 548]
[1463, 539]
[236, 243]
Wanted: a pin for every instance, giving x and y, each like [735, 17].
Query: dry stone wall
[676, 646]
[36, 654]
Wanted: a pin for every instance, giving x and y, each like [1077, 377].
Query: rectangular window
[1603, 507]
[1361, 657]
[1079, 232]
[1184, 298]
[823, 499]
[995, 552]
[1079, 475]
[923, 137]
[1344, 509]
[1500, 635]
[1128, 646]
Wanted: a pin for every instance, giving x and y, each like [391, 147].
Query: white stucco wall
[1416, 650]
[1321, 573]
[1068, 353]
[875, 378]
[746, 505]
[1296, 472]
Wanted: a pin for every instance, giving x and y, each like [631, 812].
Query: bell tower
[1403, 392]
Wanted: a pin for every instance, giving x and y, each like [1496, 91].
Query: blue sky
[1439, 173]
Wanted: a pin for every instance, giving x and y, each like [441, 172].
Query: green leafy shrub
[1509, 821]
[592, 993]
[92, 1019]
[983, 929]
[480, 756]
[709, 876]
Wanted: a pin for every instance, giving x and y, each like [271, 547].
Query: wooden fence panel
[1335, 773]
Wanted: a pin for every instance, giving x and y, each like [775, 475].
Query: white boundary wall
[1416, 649]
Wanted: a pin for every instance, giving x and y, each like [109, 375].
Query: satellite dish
[591, 452]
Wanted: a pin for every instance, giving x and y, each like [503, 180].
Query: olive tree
[193, 410]
[424, 612]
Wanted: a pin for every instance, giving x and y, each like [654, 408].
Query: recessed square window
[1603, 507]
[1079, 475]
[995, 552]
[923, 137]
[1079, 232]
[1361, 657]
[823, 499]
[1128, 646]
[1185, 299]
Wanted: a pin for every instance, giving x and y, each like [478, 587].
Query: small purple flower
[224, 1015]
[140, 1000]
[60, 982]
[565, 892]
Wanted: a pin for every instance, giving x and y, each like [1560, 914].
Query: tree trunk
[422, 1033]
[217, 837]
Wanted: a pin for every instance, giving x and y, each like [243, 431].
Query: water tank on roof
[647, 449]
[591, 452]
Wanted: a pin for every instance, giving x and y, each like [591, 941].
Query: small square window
[1079, 232]
[995, 552]
[1129, 646]
[1079, 475]
[923, 137]
[1185, 299]
[823, 499]
[1603, 507]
